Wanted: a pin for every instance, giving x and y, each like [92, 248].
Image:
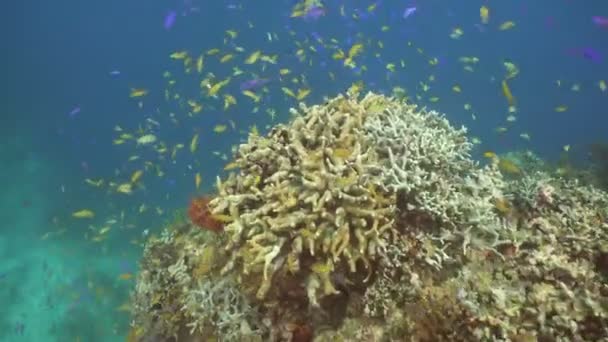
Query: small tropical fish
[74, 111]
[408, 12]
[95, 183]
[600, 21]
[508, 167]
[231, 166]
[252, 95]
[219, 128]
[456, 33]
[254, 84]
[507, 25]
[138, 92]
[313, 13]
[586, 52]
[253, 57]
[194, 143]
[507, 93]
[136, 176]
[125, 188]
[561, 109]
[199, 64]
[302, 93]
[146, 139]
[197, 180]
[169, 20]
[484, 14]
[84, 213]
[490, 155]
[179, 55]
[602, 85]
[125, 276]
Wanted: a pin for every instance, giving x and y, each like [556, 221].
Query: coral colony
[366, 219]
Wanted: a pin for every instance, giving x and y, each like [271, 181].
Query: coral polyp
[199, 214]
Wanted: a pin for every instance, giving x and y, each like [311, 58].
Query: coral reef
[367, 219]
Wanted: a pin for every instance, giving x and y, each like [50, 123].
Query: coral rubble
[367, 219]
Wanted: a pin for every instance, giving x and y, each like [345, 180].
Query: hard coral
[199, 214]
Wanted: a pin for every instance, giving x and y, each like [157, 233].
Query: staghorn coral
[306, 200]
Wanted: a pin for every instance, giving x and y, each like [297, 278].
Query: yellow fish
[490, 155]
[507, 93]
[104, 230]
[197, 180]
[508, 166]
[138, 92]
[229, 100]
[253, 57]
[216, 87]
[125, 276]
[84, 213]
[219, 128]
[602, 85]
[94, 183]
[199, 64]
[226, 58]
[507, 25]
[302, 93]
[484, 14]
[457, 32]
[561, 109]
[194, 143]
[125, 188]
[136, 176]
[231, 166]
[251, 95]
[179, 55]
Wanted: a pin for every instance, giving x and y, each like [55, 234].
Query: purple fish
[600, 21]
[170, 20]
[314, 13]
[74, 111]
[587, 53]
[408, 12]
[254, 84]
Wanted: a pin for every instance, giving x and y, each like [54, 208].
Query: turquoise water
[69, 67]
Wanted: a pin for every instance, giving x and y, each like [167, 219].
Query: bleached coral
[427, 162]
[216, 306]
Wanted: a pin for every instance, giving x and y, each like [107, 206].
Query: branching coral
[306, 201]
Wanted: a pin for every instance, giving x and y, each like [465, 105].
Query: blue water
[60, 285]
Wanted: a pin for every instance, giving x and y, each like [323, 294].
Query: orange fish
[125, 276]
